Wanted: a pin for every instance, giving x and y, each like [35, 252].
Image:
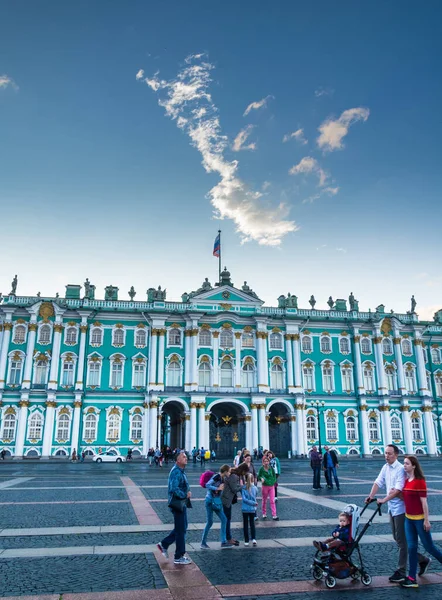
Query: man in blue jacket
[178, 488]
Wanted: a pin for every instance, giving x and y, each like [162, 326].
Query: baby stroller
[337, 563]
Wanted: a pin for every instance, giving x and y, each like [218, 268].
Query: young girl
[267, 476]
[249, 492]
[213, 504]
[417, 524]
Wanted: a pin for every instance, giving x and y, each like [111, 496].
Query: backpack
[205, 477]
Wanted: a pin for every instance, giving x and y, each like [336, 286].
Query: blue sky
[97, 181]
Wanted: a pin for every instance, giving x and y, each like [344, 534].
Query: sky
[308, 132]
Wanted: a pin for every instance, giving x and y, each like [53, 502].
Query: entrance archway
[173, 425]
[279, 429]
[227, 429]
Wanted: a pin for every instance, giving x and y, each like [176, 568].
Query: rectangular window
[139, 375]
[94, 374]
[347, 383]
[409, 381]
[15, 374]
[117, 376]
[308, 378]
[68, 374]
[327, 380]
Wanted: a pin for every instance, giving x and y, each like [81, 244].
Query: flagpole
[219, 258]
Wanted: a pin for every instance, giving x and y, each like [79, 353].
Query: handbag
[177, 504]
[217, 504]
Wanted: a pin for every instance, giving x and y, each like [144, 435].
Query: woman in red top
[417, 524]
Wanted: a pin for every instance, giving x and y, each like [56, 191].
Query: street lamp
[318, 404]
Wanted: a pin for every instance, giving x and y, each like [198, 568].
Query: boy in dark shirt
[340, 535]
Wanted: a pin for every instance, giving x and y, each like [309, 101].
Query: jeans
[316, 476]
[398, 530]
[415, 530]
[228, 514]
[209, 521]
[248, 519]
[178, 533]
[268, 492]
[331, 471]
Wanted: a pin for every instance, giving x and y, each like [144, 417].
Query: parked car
[108, 457]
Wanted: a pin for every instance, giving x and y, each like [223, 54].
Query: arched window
[90, 427]
[438, 381]
[41, 372]
[15, 371]
[226, 338]
[248, 376]
[44, 334]
[373, 427]
[410, 379]
[9, 422]
[390, 373]
[96, 336]
[387, 346]
[118, 337]
[117, 373]
[247, 340]
[226, 374]
[344, 345]
[71, 336]
[351, 429]
[113, 427]
[435, 356]
[306, 344]
[311, 427]
[365, 345]
[416, 428]
[63, 427]
[308, 376]
[19, 334]
[205, 337]
[204, 374]
[174, 337]
[140, 338]
[174, 374]
[396, 428]
[368, 377]
[277, 377]
[406, 347]
[325, 344]
[331, 424]
[327, 378]
[35, 426]
[94, 369]
[347, 378]
[67, 375]
[275, 341]
[139, 374]
[136, 429]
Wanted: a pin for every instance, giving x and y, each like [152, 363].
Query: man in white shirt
[392, 478]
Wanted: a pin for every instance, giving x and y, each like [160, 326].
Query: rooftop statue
[225, 277]
[87, 288]
[282, 301]
[206, 285]
[248, 290]
[330, 302]
[292, 301]
[154, 295]
[351, 301]
[132, 293]
[413, 304]
[14, 286]
[312, 301]
[185, 297]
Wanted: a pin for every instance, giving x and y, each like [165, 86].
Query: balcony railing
[228, 390]
[38, 386]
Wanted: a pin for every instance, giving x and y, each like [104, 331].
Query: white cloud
[257, 105]
[241, 138]
[330, 191]
[266, 185]
[186, 99]
[343, 250]
[324, 92]
[426, 313]
[332, 132]
[310, 165]
[6, 81]
[298, 135]
[139, 75]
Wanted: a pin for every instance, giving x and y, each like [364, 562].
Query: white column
[421, 371]
[76, 424]
[249, 443]
[386, 424]
[262, 359]
[215, 361]
[21, 428]
[193, 417]
[382, 380]
[55, 359]
[153, 411]
[187, 359]
[289, 364]
[194, 363]
[358, 362]
[255, 444]
[399, 363]
[201, 424]
[32, 332]
[187, 433]
[207, 431]
[430, 435]
[365, 441]
[238, 359]
[293, 434]
[300, 427]
[406, 424]
[79, 384]
[161, 333]
[153, 361]
[7, 327]
[296, 347]
[48, 428]
[146, 431]
[263, 426]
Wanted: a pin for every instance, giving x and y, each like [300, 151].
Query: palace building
[218, 370]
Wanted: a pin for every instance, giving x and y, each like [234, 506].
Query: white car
[108, 457]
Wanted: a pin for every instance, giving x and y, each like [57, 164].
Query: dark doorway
[173, 425]
[227, 430]
[279, 429]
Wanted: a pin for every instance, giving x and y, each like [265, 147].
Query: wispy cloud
[310, 165]
[186, 100]
[239, 142]
[343, 250]
[298, 135]
[321, 91]
[329, 191]
[257, 105]
[332, 132]
[6, 81]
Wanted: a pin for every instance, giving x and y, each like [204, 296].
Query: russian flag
[217, 246]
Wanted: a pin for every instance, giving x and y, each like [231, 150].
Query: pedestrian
[194, 453]
[315, 463]
[330, 462]
[232, 486]
[213, 504]
[151, 455]
[213, 456]
[203, 456]
[267, 476]
[3, 453]
[249, 491]
[74, 455]
[417, 523]
[157, 455]
[251, 467]
[83, 456]
[129, 454]
[276, 465]
[392, 478]
[255, 453]
[178, 489]
[237, 459]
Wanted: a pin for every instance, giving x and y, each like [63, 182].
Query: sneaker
[204, 546]
[423, 566]
[254, 543]
[246, 543]
[233, 542]
[163, 551]
[275, 518]
[256, 518]
[226, 545]
[397, 577]
[264, 517]
[409, 583]
[276, 499]
[183, 560]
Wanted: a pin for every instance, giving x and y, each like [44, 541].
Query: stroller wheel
[317, 573]
[366, 579]
[330, 581]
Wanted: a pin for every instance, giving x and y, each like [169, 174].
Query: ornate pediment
[226, 294]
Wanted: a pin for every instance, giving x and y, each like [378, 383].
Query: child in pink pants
[267, 476]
